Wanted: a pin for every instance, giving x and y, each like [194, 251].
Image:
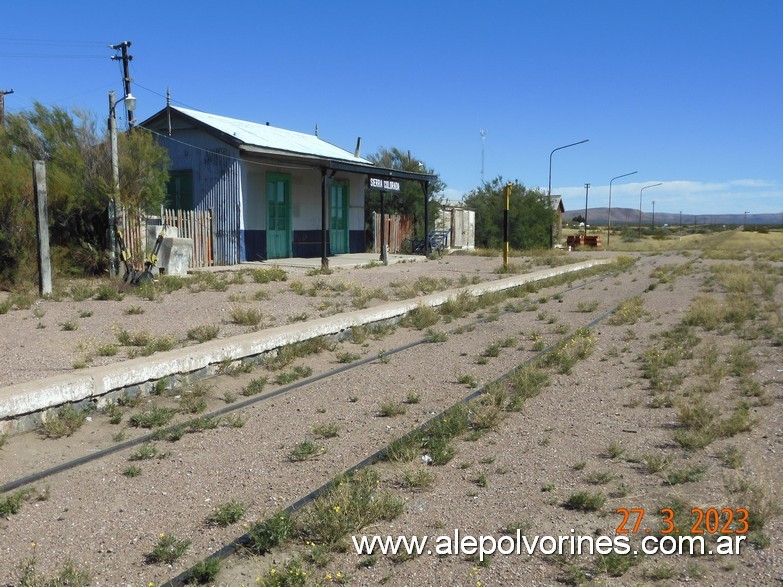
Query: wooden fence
[196, 225]
[192, 224]
[398, 228]
[133, 224]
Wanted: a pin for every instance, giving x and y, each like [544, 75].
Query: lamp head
[130, 102]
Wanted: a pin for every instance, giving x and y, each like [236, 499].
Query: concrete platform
[335, 262]
[22, 405]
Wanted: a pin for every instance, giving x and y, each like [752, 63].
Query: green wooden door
[338, 217]
[278, 216]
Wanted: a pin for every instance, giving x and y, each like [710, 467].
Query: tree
[79, 184]
[530, 215]
[17, 214]
[410, 200]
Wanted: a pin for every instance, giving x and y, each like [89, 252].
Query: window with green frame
[179, 190]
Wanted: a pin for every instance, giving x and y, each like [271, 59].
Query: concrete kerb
[18, 402]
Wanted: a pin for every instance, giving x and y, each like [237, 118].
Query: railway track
[264, 397]
[286, 390]
[240, 543]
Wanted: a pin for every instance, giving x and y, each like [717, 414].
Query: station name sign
[389, 185]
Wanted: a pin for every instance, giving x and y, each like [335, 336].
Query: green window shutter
[179, 190]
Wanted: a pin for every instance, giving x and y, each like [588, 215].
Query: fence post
[42, 227]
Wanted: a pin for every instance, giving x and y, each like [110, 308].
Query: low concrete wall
[21, 401]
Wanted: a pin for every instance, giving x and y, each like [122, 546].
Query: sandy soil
[560, 443]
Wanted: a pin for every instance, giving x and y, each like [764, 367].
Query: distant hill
[631, 216]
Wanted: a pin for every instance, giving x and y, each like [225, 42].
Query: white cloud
[757, 196]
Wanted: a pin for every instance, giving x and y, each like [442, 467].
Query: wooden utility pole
[42, 228]
[3, 94]
[126, 59]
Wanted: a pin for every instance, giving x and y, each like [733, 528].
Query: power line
[50, 56]
[52, 42]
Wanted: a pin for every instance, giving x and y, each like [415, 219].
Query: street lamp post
[609, 221]
[130, 104]
[549, 189]
[640, 204]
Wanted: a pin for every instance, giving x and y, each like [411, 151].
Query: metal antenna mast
[483, 134]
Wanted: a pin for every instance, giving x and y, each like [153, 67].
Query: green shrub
[267, 534]
[153, 417]
[584, 501]
[686, 475]
[267, 275]
[421, 317]
[305, 450]
[69, 575]
[390, 409]
[137, 339]
[109, 292]
[245, 316]
[326, 430]
[204, 332]
[11, 503]
[168, 549]
[405, 449]
[206, 571]
[63, 422]
[352, 503]
[255, 386]
[227, 513]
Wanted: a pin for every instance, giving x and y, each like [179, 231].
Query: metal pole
[609, 221]
[483, 134]
[426, 218]
[549, 189]
[640, 204]
[587, 189]
[383, 257]
[324, 219]
[507, 191]
[115, 174]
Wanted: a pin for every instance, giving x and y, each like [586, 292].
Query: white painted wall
[305, 197]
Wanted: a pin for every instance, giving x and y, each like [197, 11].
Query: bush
[63, 422]
[265, 535]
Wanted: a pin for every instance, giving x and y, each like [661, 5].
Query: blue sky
[686, 93]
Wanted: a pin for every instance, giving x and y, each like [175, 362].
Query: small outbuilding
[559, 208]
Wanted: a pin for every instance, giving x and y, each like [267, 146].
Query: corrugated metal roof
[269, 137]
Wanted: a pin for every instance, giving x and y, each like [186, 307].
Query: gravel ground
[531, 463]
[50, 337]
